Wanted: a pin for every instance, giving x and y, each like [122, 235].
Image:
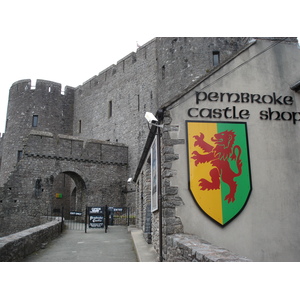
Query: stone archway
[69, 189]
[98, 170]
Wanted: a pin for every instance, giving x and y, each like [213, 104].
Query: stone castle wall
[64, 147]
[15, 247]
[99, 170]
[111, 106]
[184, 60]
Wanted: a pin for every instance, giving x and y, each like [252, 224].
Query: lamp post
[154, 121]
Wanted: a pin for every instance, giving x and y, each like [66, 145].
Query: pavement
[144, 251]
[119, 244]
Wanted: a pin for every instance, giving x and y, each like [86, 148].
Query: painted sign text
[234, 113]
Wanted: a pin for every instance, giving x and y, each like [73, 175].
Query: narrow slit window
[20, 155]
[216, 58]
[110, 109]
[163, 72]
[35, 120]
[79, 126]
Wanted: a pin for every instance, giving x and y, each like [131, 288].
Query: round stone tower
[43, 107]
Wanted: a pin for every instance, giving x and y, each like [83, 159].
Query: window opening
[79, 127]
[216, 58]
[20, 155]
[163, 72]
[34, 120]
[110, 109]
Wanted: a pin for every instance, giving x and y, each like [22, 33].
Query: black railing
[76, 220]
[56, 213]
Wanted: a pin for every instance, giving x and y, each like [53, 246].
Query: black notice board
[96, 217]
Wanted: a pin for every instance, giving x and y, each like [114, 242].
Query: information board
[96, 217]
[75, 213]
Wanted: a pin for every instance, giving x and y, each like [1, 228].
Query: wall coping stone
[189, 247]
[17, 246]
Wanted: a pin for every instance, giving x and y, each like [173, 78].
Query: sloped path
[94, 246]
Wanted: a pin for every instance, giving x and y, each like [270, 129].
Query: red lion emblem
[218, 157]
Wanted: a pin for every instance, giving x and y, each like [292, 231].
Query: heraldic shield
[219, 168]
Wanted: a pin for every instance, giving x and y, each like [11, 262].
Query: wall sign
[96, 217]
[274, 107]
[219, 168]
[75, 213]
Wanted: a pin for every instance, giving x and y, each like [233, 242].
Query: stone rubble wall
[46, 144]
[17, 246]
[190, 248]
[97, 168]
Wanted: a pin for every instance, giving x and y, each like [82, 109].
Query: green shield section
[243, 181]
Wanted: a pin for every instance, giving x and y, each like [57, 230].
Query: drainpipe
[160, 115]
[159, 193]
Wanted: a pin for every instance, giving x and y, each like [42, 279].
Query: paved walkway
[117, 245]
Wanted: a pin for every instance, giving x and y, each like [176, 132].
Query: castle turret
[43, 107]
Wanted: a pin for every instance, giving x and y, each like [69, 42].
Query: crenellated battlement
[64, 147]
[123, 68]
[41, 85]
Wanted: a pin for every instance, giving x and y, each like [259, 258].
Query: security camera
[151, 119]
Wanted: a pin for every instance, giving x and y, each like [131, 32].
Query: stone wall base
[148, 237]
[15, 247]
[190, 248]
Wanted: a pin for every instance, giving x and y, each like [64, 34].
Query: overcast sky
[70, 41]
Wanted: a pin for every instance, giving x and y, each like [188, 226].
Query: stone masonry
[190, 248]
[98, 169]
[17, 246]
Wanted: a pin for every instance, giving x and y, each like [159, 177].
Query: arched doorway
[69, 191]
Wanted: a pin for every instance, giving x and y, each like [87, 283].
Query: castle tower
[43, 107]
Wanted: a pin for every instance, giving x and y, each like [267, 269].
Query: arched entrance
[63, 171]
[69, 190]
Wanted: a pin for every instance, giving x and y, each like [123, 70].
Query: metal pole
[159, 193]
[85, 223]
[128, 216]
[62, 219]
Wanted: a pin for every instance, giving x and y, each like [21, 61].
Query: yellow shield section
[213, 207]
